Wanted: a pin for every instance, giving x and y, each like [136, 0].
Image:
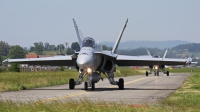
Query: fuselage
[87, 57]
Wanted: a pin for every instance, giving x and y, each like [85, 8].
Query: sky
[23, 22]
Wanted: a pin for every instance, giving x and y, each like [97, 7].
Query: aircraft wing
[124, 60]
[53, 61]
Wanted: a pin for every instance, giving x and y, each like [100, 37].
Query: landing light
[156, 67]
[89, 70]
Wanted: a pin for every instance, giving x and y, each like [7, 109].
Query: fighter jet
[92, 61]
[157, 68]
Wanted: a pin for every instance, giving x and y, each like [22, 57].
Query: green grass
[84, 105]
[188, 96]
[13, 81]
[183, 70]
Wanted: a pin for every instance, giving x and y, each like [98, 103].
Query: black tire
[157, 73]
[121, 84]
[147, 73]
[167, 73]
[93, 86]
[86, 86]
[71, 83]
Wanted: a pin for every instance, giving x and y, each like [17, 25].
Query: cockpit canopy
[156, 56]
[88, 42]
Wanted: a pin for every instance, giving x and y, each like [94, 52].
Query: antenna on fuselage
[119, 38]
[77, 33]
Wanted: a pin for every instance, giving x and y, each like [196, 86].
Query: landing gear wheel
[71, 83]
[157, 73]
[86, 86]
[121, 84]
[93, 85]
[147, 73]
[167, 73]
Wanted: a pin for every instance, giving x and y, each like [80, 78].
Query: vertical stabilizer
[119, 38]
[165, 53]
[81, 35]
[77, 33]
[148, 52]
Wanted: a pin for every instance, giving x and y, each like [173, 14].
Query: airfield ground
[141, 94]
[138, 90]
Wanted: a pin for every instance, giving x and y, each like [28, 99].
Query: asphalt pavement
[137, 90]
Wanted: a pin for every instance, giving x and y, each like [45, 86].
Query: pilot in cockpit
[88, 43]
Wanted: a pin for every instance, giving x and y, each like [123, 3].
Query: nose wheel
[86, 86]
[156, 73]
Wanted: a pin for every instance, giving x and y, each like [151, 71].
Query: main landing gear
[156, 73]
[121, 84]
[167, 73]
[147, 73]
[91, 83]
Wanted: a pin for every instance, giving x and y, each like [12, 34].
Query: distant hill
[149, 44]
[192, 47]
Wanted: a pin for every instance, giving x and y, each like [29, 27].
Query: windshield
[88, 42]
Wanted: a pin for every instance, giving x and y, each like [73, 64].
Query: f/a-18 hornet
[157, 67]
[92, 61]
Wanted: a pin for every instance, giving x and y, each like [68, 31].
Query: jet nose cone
[84, 62]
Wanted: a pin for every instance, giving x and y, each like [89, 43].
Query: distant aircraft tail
[148, 52]
[114, 49]
[78, 33]
[165, 53]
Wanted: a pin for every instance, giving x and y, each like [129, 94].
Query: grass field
[186, 98]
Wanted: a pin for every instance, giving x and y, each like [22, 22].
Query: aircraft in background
[92, 61]
[157, 67]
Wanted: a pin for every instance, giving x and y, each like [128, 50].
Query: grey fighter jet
[157, 68]
[92, 61]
